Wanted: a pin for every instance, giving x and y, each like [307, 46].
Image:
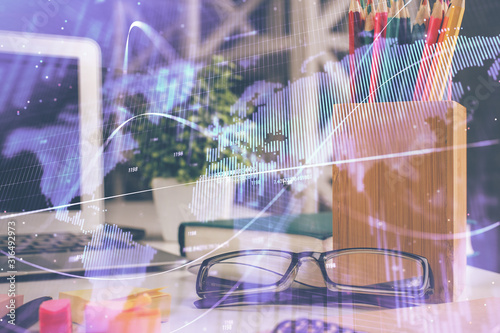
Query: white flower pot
[176, 203]
[172, 201]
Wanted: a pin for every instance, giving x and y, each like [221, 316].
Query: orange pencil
[446, 5]
[445, 21]
[432, 36]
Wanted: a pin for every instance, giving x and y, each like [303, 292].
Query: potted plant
[172, 147]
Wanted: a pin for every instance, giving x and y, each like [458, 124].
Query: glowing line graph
[481, 144]
[158, 41]
[143, 26]
[205, 132]
[155, 38]
[183, 121]
[413, 153]
[281, 192]
[301, 168]
[415, 63]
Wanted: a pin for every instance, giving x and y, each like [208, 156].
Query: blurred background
[196, 58]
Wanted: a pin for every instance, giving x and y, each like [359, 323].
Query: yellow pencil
[441, 66]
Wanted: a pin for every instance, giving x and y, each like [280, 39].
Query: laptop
[51, 165]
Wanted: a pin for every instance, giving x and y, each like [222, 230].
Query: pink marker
[55, 316]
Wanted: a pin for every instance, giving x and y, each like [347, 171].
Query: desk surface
[181, 285]
[186, 318]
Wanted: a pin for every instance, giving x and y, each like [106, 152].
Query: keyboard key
[64, 242]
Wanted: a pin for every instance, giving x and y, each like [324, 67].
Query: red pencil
[381, 19]
[427, 90]
[435, 22]
[432, 36]
[355, 28]
[378, 47]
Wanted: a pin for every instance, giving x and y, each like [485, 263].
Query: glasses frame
[425, 289]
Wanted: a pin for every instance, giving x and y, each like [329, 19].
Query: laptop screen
[39, 132]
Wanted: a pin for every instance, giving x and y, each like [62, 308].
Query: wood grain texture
[404, 187]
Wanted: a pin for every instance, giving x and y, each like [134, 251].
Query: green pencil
[404, 36]
[393, 21]
[419, 31]
[388, 68]
[367, 36]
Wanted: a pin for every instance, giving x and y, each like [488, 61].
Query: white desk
[186, 318]
[181, 285]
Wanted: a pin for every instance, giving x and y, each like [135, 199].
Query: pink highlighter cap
[55, 316]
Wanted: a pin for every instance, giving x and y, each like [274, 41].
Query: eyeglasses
[358, 270]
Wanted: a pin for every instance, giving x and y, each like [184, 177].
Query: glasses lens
[247, 272]
[378, 271]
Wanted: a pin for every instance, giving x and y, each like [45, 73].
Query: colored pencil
[446, 5]
[432, 36]
[435, 22]
[419, 35]
[381, 15]
[355, 27]
[364, 58]
[445, 21]
[393, 20]
[369, 28]
[379, 34]
[396, 48]
[441, 65]
[362, 15]
[387, 65]
[393, 64]
[421, 25]
[400, 57]
[404, 36]
[441, 38]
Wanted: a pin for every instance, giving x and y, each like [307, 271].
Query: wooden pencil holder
[404, 185]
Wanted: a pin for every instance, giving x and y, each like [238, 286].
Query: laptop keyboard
[61, 242]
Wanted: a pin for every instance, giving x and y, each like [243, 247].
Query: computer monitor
[50, 132]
